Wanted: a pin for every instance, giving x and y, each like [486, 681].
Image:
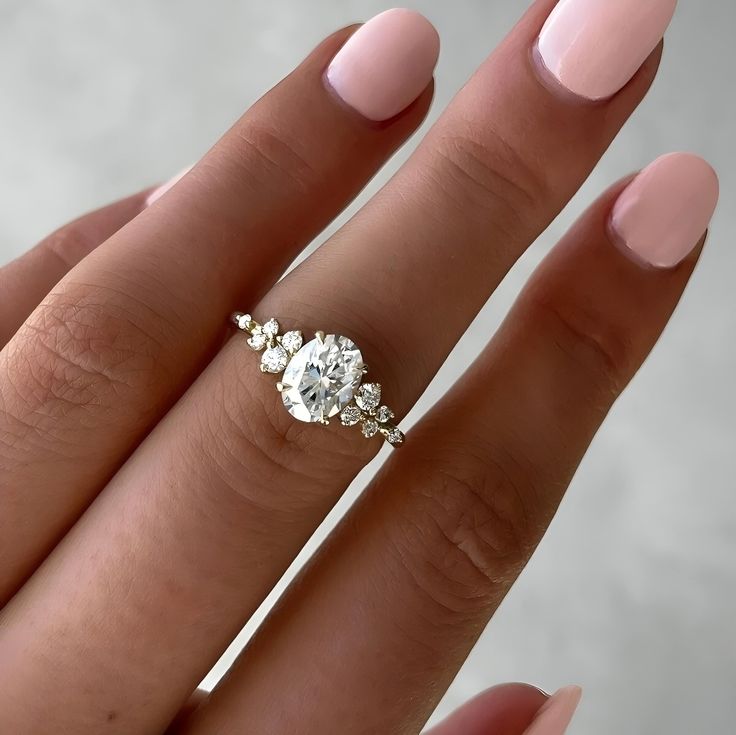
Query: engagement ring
[321, 378]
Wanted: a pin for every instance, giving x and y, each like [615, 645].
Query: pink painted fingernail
[594, 47]
[556, 713]
[664, 212]
[386, 64]
[156, 194]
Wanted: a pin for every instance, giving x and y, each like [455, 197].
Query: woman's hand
[118, 393]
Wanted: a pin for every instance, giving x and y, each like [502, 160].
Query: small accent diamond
[292, 342]
[370, 428]
[271, 328]
[384, 414]
[258, 341]
[369, 397]
[244, 320]
[274, 359]
[395, 436]
[350, 415]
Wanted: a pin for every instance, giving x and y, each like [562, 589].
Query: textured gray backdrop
[632, 593]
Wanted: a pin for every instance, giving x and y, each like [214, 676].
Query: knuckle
[476, 529]
[69, 244]
[272, 154]
[593, 348]
[490, 173]
[82, 348]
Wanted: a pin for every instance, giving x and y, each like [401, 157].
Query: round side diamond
[274, 359]
[258, 341]
[350, 415]
[292, 342]
[370, 428]
[271, 328]
[395, 436]
[243, 321]
[384, 414]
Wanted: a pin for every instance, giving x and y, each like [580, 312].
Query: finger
[507, 709]
[26, 280]
[232, 485]
[498, 166]
[124, 332]
[393, 604]
[556, 714]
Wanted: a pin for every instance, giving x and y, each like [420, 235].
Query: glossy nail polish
[386, 64]
[556, 713]
[594, 47]
[664, 212]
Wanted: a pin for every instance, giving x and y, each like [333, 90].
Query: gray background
[632, 592]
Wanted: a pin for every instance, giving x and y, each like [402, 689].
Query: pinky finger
[24, 282]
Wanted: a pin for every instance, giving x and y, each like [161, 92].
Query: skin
[153, 490]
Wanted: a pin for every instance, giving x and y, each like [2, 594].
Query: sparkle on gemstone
[384, 414]
[243, 321]
[274, 359]
[350, 415]
[321, 378]
[395, 436]
[369, 397]
[258, 341]
[271, 328]
[370, 428]
[292, 342]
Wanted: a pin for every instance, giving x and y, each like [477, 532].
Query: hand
[154, 489]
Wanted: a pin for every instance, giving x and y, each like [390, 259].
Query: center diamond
[321, 378]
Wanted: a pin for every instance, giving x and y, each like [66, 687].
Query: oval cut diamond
[321, 378]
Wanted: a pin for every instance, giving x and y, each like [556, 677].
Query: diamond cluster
[372, 416]
[321, 378]
[277, 349]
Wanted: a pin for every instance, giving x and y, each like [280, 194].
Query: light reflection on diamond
[321, 378]
[274, 359]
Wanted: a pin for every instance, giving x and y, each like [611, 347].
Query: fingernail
[594, 47]
[556, 713]
[156, 194]
[663, 213]
[386, 64]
